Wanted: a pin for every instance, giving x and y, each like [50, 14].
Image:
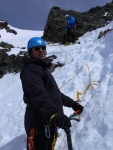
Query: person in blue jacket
[70, 27]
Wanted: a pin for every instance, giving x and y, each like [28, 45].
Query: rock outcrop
[94, 18]
[14, 63]
[4, 25]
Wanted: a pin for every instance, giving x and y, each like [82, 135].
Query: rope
[64, 62]
[87, 88]
[66, 36]
[54, 139]
[72, 77]
[90, 84]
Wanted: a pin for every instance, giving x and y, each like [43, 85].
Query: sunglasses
[38, 48]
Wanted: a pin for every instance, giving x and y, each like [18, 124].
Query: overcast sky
[32, 14]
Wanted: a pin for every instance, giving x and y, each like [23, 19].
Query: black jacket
[41, 94]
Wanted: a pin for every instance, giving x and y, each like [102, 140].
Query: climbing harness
[30, 139]
[47, 131]
[48, 135]
[33, 132]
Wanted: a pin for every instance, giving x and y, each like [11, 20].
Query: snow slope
[91, 61]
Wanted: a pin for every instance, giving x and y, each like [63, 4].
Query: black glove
[77, 106]
[61, 121]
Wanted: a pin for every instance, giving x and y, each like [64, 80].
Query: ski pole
[69, 141]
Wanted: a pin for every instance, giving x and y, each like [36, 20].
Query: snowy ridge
[95, 130]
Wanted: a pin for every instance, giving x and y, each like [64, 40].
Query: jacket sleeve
[67, 101]
[33, 86]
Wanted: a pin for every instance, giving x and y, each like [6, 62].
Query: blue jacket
[71, 21]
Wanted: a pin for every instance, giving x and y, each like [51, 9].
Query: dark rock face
[14, 64]
[4, 25]
[94, 18]
[6, 45]
[103, 33]
[9, 64]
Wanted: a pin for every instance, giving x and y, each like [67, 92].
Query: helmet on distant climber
[66, 16]
[35, 42]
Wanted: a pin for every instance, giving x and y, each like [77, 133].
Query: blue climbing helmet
[35, 42]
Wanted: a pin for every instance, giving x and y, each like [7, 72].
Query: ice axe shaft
[68, 131]
[69, 141]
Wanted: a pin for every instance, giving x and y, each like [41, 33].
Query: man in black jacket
[44, 101]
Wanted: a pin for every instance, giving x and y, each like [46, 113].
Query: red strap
[31, 139]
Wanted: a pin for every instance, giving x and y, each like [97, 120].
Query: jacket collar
[42, 63]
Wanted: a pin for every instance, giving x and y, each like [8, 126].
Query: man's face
[39, 52]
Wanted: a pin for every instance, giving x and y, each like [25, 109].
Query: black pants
[69, 36]
[38, 139]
